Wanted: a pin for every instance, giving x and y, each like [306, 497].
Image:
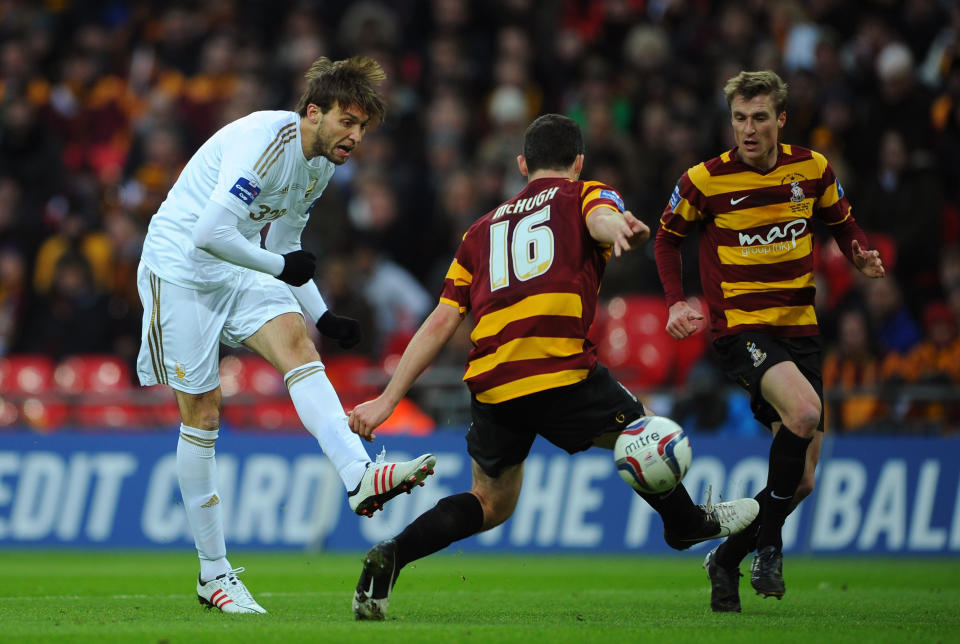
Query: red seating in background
[250, 374]
[93, 373]
[94, 388]
[690, 350]
[160, 412]
[632, 340]
[274, 413]
[350, 376]
[26, 374]
[116, 415]
[45, 414]
[256, 397]
[26, 386]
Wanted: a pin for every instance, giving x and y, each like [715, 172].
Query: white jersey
[255, 168]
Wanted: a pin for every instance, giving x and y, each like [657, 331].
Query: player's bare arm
[683, 320]
[423, 348]
[622, 230]
[867, 261]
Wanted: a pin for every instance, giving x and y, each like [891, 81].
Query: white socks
[197, 472]
[322, 414]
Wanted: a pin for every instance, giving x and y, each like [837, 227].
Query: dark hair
[345, 82]
[751, 84]
[552, 142]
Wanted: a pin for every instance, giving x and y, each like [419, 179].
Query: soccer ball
[652, 454]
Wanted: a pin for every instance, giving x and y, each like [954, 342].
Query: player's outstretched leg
[724, 585]
[718, 520]
[379, 573]
[766, 573]
[228, 594]
[384, 480]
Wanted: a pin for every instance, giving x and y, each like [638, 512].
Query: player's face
[338, 133]
[756, 128]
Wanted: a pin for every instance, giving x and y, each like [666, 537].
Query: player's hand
[346, 330]
[868, 261]
[298, 267]
[366, 417]
[632, 233]
[683, 320]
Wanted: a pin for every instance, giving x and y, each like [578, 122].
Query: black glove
[346, 330]
[298, 267]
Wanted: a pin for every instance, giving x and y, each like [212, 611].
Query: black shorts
[747, 356]
[570, 417]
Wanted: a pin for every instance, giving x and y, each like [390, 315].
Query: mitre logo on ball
[652, 454]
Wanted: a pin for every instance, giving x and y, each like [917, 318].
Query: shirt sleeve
[832, 205]
[666, 252]
[216, 232]
[241, 180]
[596, 195]
[681, 213]
[459, 278]
[834, 209]
[676, 222]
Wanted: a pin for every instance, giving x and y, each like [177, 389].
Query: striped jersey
[529, 271]
[756, 246]
[255, 168]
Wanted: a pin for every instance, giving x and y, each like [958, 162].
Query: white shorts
[183, 327]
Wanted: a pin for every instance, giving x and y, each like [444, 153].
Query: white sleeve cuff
[308, 295]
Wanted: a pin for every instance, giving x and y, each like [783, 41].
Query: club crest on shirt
[796, 192]
[756, 354]
[245, 190]
[797, 195]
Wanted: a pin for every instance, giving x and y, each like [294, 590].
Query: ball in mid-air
[652, 454]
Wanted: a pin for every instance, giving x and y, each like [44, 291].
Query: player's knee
[804, 418]
[497, 508]
[302, 345]
[201, 411]
[203, 419]
[494, 516]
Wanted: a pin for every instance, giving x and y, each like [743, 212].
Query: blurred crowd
[102, 103]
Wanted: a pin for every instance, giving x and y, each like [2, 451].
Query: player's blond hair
[751, 84]
[349, 82]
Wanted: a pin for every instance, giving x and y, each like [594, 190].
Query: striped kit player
[756, 256]
[533, 293]
[529, 272]
[755, 206]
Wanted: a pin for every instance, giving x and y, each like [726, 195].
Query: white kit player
[204, 279]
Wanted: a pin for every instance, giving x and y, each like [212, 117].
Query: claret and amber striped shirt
[530, 271]
[756, 244]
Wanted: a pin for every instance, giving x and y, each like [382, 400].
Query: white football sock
[322, 414]
[197, 473]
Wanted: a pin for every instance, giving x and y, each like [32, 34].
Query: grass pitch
[71, 596]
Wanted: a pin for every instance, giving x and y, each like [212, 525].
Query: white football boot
[228, 593]
[384, 480]
[719, 520]
[379, 573]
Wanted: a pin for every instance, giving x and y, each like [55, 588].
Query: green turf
[148, 597]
